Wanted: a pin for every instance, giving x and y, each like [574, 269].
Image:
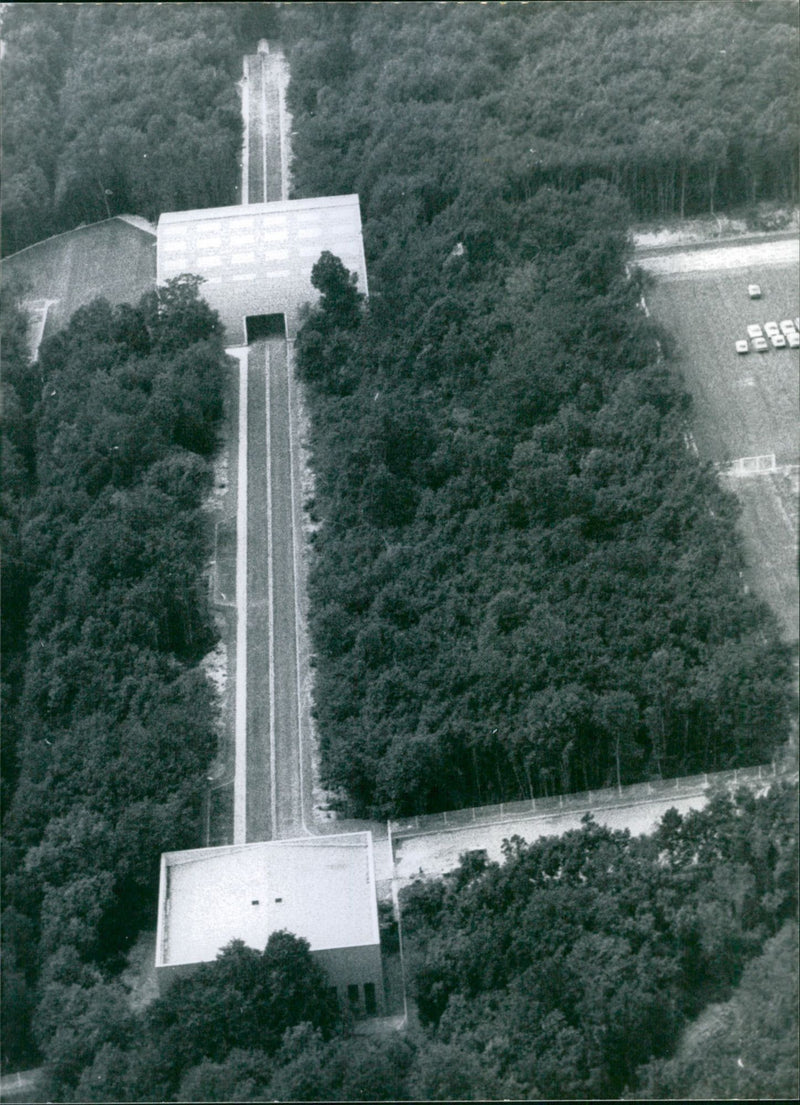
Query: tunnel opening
[261, 327]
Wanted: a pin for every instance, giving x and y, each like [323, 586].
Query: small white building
[256, 258]
[321, 888]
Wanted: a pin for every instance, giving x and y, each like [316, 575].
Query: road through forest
[278, 765]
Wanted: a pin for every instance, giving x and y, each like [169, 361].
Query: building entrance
[261, 327]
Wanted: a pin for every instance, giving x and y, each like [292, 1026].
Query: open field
[743, 405]
[768, 526]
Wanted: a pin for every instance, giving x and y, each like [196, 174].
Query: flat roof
[247, 209]
[256, 258]
[320, 888]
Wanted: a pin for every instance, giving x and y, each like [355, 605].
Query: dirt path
[712, 257]
[435, 853]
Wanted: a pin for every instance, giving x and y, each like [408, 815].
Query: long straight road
[278, 766]
[273, 776]
[265, 160]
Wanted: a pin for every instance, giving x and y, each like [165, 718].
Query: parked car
[778, 341]
[754, 291]
[771, 328]
[760, 345]
[755, 331]
[742, 346]
[787, 327]
[793, 340]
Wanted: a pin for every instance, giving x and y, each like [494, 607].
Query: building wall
[257, 259]
[359, 967]
[345, 967]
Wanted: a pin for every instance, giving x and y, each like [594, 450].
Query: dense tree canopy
[685, 106]
[588, 966]
[118, 108]
[126, 108]
[230, 1016]
[582, 958]
[109, 724]
[523, 582]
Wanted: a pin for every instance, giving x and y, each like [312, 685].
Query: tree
[107, 524]
[447, 1072]
[245, 1000]
[744, 1047]
[242, 1076]
[340, 302]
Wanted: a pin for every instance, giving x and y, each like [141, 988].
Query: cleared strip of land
[289, 773]
[674, 264]
[258, 674]
[265, 162]
[278, 781]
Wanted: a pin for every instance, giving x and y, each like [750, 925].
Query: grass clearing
[743, 405]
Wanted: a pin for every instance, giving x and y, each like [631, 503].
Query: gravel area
[433, 854]
[731, 255]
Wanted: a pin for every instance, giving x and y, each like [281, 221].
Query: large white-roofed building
[256, 259]
[321, 888]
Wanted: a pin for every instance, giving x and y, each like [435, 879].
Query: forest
[522, 582]
[120, 109]
[685, 107]
[109, 725]
[588, 966]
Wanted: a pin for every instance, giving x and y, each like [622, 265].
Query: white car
[793, 340]
[754, 291]
[778, 341]
[760, 345]
[787, 327]
[742, 347]
[797, 324]
[771, 328]
[755, 331]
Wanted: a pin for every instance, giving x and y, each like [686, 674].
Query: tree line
[685, 107]
[523, 582]
[108, 721]
[577, 968]
[588, 966]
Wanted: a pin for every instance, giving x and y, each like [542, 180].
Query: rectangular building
[320, 888]
[256, 258]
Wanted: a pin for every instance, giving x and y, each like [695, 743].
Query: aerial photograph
[400, 606]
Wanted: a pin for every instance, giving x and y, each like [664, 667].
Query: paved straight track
[272, 791]
[278, 790]
[265, 159]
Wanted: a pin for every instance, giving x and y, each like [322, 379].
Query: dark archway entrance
[261, 327]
